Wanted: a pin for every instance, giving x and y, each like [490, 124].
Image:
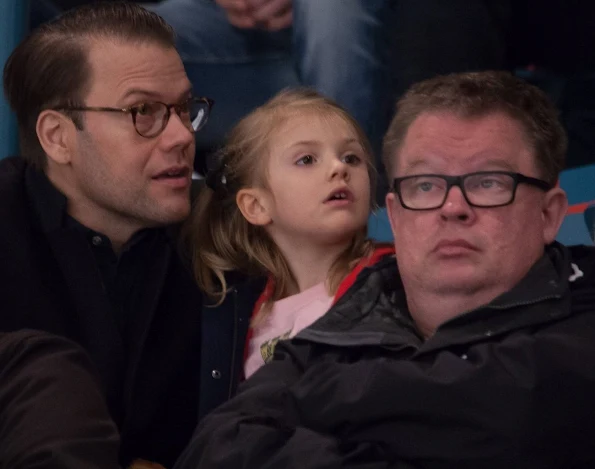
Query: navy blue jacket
[224, 331]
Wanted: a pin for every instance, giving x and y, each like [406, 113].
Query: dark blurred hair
[50, 67]
[477, 94]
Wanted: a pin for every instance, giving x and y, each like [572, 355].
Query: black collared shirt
[124, 275]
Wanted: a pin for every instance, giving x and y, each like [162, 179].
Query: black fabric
[549, 44]
[433, 37]
[507, 385]
[224, 332]
[122, 275]
[52, 411]
[558, 37]
[50, 281]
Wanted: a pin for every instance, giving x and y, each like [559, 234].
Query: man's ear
[55, 132]
[253, 204]
[555, 206]
[391, 206]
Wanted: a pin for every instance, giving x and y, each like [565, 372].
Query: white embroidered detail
[576, 273]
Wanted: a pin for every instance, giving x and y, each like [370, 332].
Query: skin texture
[444, 281]
[270, 15]
[108, 172]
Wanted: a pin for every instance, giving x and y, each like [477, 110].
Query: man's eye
[143, 109]
[305, 160]
[425, 186]
[488, 183]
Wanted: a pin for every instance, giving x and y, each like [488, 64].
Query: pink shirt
[287, 317]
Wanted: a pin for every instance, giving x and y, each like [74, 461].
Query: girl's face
[318, 181]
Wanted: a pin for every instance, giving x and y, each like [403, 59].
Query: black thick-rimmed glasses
[151, 118]
[485, 189]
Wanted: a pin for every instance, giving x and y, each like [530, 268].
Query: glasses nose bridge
[168, 110]
[452, 181]
[177, 107]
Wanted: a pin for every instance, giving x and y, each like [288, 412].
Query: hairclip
[216, 179]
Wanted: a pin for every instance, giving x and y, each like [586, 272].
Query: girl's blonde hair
[220, 239]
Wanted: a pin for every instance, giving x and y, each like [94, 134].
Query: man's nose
[455, 205]
[177, 132]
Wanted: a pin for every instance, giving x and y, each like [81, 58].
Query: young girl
[289, 199]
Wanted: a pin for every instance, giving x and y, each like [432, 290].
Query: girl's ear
[252, 202]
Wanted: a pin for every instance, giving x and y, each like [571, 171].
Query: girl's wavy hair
[218, 236]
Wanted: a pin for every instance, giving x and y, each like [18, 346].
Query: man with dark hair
[476, 348]
[90, 211]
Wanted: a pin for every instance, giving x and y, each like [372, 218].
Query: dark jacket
[509, 385]
[52, 413]
[181, 358]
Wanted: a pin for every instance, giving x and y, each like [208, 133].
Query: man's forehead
[461, 126]
[134, 69]
[494, 139]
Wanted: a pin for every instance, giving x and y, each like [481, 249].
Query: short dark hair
[50, 67]
[476, 94]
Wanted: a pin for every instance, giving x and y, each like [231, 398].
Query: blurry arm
[52, 411]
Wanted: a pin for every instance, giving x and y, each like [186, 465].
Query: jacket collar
[48, 202]
[374, 311]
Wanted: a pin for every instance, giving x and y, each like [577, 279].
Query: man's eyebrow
[153, 95]
[493, 162]
[416, 164]
[498, 163]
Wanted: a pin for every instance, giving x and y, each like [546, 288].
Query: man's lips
[454, 246]
[174, 177]
[173, 172]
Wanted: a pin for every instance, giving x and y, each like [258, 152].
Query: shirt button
[489, 333]
[464, 356]
[96, 240]
[216, 374]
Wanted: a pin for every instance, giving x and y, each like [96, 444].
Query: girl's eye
[304, 160]
[352, 159]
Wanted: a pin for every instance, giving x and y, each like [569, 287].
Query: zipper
[235, 343]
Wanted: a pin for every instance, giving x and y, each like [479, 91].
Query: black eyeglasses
[151, 118]
[481, 189]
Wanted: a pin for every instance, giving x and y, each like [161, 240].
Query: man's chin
[172, 214]
[457, 280]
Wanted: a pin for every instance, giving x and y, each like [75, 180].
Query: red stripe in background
[579, 208]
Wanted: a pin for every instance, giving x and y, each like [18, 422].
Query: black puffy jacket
[509, 385]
